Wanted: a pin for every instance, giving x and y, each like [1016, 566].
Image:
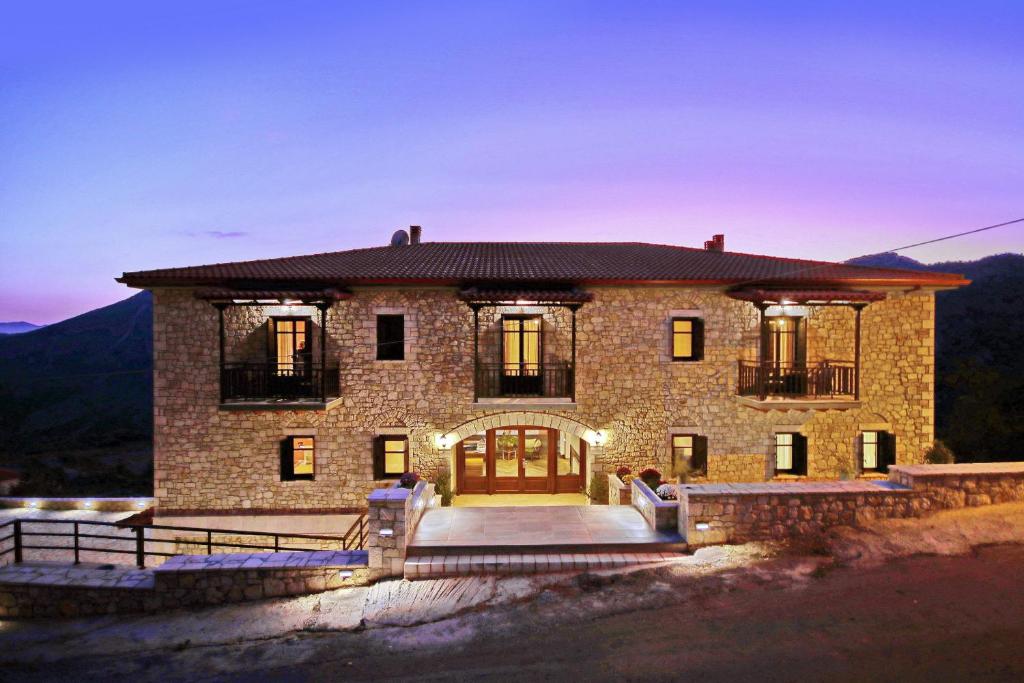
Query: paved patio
[526, 528]
[518, 499]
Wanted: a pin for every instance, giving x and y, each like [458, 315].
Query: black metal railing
[257, 381]
[497, 380]
[20, 538]
[827, 379]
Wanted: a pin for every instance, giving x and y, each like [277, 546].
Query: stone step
[437, 566]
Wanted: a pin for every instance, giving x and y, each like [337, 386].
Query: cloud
[217, 234]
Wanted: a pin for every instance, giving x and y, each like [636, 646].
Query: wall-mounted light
[387, 533]
[87, 504]
[33, 503]
[444, 441]
[703, 526]
[345, 574]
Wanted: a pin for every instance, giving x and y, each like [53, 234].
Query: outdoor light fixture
[345, 574]
[140, 504]
[703, 526]
[444, 441]
[87, 504]
[33, 503]
[387, 533]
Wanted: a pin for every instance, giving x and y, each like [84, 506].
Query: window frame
[522, 367]
[797, 454]
[306, 337]
[288, 451]
[382, 344]
[380, 456]
[885, 450]
[696, 334]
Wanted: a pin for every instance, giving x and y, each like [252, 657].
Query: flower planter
[661, 515]
[619, 492]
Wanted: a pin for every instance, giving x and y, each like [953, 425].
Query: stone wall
[741, 513]
[208, 458]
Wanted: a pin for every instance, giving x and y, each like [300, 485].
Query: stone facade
[208, 458]
[741, 513]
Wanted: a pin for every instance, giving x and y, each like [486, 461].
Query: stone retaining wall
[738, 513]
[660, 514]
[136, 504]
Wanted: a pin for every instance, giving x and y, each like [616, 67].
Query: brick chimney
[716, 243]
[415, 232]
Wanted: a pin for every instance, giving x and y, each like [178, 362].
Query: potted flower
[619, 492]
[651, 477]
[408, 480]
[667, 491]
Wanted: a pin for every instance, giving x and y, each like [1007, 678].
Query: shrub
[598, 490]
[666, 492]
[939, 454]
[408, 480]
[623, 471]
[443, 488]
[651, 477]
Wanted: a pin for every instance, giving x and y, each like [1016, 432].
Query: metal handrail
[353, 539]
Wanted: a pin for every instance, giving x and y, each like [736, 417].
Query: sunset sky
[138, 135]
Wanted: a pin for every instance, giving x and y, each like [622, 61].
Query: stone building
[302, 383]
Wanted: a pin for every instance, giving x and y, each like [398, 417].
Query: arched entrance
[521, 453]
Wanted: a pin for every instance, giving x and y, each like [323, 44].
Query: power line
[949, 237]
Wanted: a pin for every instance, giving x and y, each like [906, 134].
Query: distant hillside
[76, 399]
[979, 365]
[18, 327]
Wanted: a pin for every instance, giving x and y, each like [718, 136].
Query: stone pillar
[398, 510]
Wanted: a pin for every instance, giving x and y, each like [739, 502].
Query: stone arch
[522, 418]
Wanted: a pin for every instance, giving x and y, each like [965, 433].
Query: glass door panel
[506, 453]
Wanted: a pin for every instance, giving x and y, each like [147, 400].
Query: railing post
[209, 542]
[323, 352]
[220, 357]
[572, 367]
[76, 543]
[140, 546]
[277, 543]
[17, 541]
[856, 354]
[476, 353]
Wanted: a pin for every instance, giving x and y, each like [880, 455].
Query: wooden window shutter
[378, 457]
[287, 460]
[800, 350]
[271, 340]
[799, 454]
[887, 448]
[698, 339]
[858, 449]
[700, 454]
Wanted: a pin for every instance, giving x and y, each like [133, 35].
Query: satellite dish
[400, 238]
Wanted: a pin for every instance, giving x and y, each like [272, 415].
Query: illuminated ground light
[703, 526]
[387, 533]
[87, 504]
[345, 574]
[140, 504]
[33, 503]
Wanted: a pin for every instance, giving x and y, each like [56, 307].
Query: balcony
[830, 383]
[262, 384]
[550, 381]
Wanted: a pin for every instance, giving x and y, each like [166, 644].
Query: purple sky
[135, 137]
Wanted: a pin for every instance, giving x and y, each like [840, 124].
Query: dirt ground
[859, 605]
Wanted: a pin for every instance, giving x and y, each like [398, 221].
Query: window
[689, 454]
[297, 461]
[521, 345]
[290, 345]
[787, 341]
[390, 456]
[877, 451]
[790, 453]
[687, 339]
[391, 337]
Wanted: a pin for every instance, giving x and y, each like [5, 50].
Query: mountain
[979, 392]
[18, 327]
[76, 401]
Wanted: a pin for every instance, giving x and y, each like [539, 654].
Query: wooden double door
[520, 460]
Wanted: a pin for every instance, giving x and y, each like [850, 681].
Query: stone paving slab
[320, 558]
[801, 488]
[83, 575]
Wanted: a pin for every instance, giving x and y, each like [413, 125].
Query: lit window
[682, 451]
[687, 339]
[297, 458]
[870, 450]
[391, 457]
[783, 452]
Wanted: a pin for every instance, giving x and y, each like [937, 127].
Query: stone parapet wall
[660, 514]
[136, 504]
[398, 510]
[206, 458]
[738, 513]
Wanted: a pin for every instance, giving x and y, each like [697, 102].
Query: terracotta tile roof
[531, 262]
[559, 296]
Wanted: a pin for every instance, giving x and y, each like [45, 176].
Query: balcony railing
[496, 380]
[828, 379]
[262, 381]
